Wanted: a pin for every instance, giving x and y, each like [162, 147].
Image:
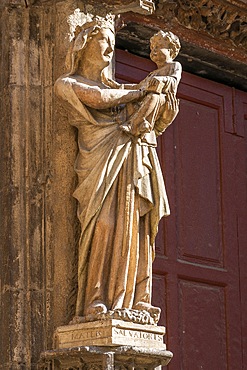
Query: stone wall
[38, 215]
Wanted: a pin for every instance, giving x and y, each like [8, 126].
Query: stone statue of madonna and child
[121, 193]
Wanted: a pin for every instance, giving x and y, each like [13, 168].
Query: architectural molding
[104, 358]
[221, 20]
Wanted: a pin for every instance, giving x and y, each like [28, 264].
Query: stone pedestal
[107, 344]
[104, 358]
[110, 332]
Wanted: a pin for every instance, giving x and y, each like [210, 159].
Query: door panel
[206, 323]
[197, 163]
[197, 268]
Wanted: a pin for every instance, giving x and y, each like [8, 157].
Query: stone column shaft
[26, 101]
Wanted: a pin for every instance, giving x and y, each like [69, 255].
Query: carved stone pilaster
[25, 185]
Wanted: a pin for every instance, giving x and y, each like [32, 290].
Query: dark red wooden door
[199, 270]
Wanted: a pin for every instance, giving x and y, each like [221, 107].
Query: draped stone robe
[121, 198]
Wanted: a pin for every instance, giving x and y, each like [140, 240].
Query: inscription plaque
[109, 333]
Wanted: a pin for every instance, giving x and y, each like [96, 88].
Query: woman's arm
[96, 97]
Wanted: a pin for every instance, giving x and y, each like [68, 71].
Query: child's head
[164, 38]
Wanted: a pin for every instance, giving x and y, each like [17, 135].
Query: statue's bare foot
[142, 306]
[95, 308]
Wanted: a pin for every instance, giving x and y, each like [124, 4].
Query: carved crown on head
[78, 19]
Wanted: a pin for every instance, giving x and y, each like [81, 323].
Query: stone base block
[104, 358]
[110, 332]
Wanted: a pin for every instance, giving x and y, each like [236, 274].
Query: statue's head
[168, 38]
[94, 40]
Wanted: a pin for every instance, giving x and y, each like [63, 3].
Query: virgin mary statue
[121, 193]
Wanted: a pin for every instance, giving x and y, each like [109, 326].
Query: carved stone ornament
[219, 19]
[140, 6]
[104, 358]
[125, 314]
[148, 5]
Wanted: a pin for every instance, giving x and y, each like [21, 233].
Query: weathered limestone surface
[38, 223]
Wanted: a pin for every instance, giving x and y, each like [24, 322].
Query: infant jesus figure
[160, 86]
